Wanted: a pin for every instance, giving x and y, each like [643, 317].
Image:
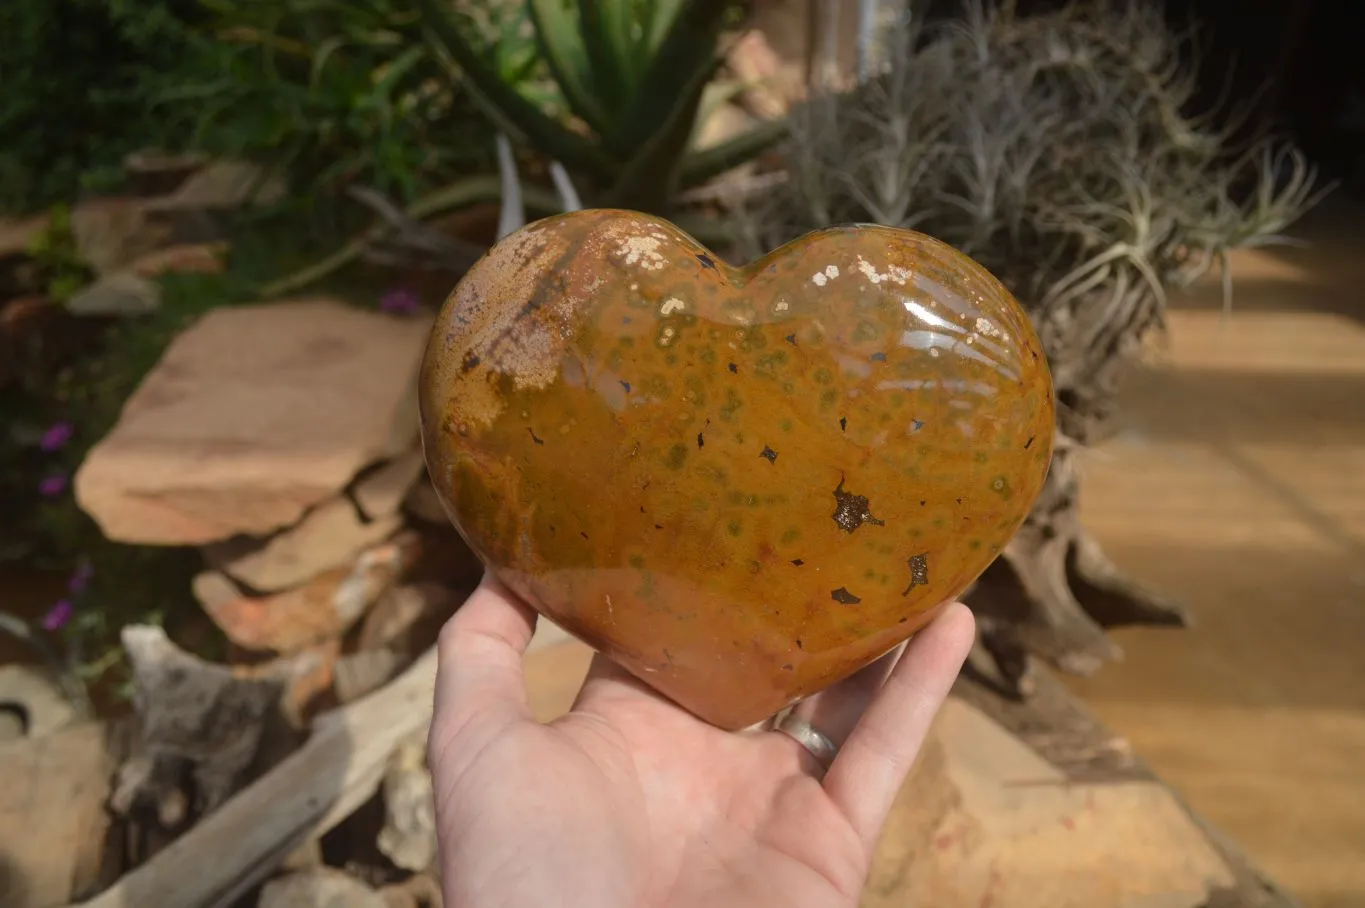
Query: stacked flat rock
[281, 440]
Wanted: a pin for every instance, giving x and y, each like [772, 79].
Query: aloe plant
[630, 73]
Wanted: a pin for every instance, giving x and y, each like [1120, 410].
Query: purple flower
[52, 486]
[80, 578]
[56, 437]
[57, 616]
[399, 302]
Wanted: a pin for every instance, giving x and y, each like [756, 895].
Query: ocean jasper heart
[740, 484]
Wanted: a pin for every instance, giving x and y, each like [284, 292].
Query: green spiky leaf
[561, 42]
[504, 104]
[687, 54]
[651, 175]
[606, 30]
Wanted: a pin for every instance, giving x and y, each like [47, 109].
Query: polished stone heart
[740, 484]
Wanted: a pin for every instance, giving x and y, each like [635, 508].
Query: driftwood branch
[336, 771]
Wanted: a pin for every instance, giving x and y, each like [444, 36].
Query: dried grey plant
[1059, 151]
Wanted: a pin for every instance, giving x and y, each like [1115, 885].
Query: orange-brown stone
[741, 484]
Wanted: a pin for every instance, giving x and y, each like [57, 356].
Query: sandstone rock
[760, 69]
[110, 233]
[311, 691]
[380, 492]
[402, 613]
[192, 258]
[409, 834]
[358, 674]
[153, 173]
[329, 535]
[984, 820]
[117, 293]
[52, 818]
[253, 415]
[421, 502]
[220, 185]
[31, 704]
[322, 609]
[321, 887]
[421, 890]
[17, 234]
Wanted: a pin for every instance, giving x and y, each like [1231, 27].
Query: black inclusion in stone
[852, 511]
[919, 571]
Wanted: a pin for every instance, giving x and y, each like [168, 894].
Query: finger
[479, 657]
[836, 710]
[873, 762]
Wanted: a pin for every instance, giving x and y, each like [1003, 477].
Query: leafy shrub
[70, 109]
[331, 91]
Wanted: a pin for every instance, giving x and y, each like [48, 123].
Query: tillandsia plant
[1060, 151]
[631, 76]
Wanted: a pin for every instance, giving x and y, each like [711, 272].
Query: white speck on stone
[780, 306]
[671, 305]
[893, 272]
[642, 251]
[819, 279]
[831, 271]
[986, 327]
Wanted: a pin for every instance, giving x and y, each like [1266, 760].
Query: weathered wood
[332, 774]
[200, 728]
[1052, 592]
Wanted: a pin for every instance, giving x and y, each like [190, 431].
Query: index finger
[479, 672]
[872, 764]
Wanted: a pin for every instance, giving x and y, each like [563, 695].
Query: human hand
[630, 800]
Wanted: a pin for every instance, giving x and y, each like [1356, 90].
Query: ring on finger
[816, 742]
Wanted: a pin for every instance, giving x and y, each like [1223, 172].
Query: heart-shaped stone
[740, 484]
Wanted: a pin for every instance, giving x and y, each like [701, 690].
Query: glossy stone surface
[739, 484]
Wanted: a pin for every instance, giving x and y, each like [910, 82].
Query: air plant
[1059, 150]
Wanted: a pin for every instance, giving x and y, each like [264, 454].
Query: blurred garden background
[225, 226]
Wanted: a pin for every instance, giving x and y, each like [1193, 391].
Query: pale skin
[629, 800]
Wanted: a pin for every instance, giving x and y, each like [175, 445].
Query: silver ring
[808, 736]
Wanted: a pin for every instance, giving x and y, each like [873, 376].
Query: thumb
[479, 674]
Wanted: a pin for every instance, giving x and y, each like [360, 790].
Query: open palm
[629, 800]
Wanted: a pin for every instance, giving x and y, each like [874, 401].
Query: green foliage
[628, 76]
[60, 269]
[69, 110]
[331, 91]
